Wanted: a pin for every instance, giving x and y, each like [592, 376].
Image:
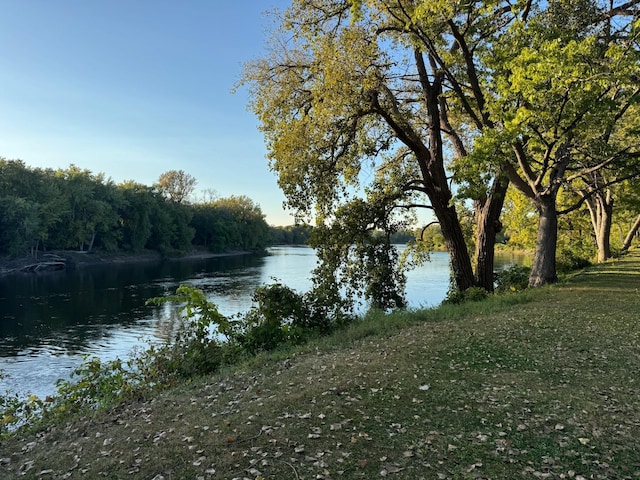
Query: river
[49, 321]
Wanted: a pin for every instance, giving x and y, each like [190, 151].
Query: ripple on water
[48, 326]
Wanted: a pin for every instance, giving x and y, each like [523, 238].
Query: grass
[541, 384]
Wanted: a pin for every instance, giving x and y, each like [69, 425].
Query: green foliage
[230, 223]
[520, 221]
[282, 316]
[568, 260]
[96, 383]
[75, 209]
[357, 259]
[197, 347]
[512, 279]
[204, 341]
[473, 294]
[16, 412]
[278, 318]
[291, 234]
[176, 185]
[432, 238]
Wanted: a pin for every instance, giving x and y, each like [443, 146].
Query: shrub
[279, 317]
[197, 347]
[512, 279]
[473, 294]
[282, 316]
[568, 261]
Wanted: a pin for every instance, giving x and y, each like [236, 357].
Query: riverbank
[541, 384]
[71, 259]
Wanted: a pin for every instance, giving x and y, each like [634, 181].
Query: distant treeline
[290, 235]
[46, 209]
[75, 209]
[299, 235]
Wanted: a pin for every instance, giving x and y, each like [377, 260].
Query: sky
[133, 89]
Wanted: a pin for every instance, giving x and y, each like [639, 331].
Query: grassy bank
[542, 384]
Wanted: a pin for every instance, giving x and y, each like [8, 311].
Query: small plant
[98, 383]
[279, 317]
[16, 412]
[472, 294]
[512, 279]
[197, 347]
[568, 261]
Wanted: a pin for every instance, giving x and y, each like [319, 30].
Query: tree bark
[543, 270]
[487, 227]
[603, 238]
[601, 211]
[603, 233]
[456, 246]
[632, 233]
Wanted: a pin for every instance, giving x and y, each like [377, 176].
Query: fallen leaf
[390, 469]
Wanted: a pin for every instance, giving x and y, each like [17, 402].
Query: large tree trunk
[601, 211]
[632, 233]
[603, 233]
[431, 161]
[487, 227]
[456, 246]
[543, 270]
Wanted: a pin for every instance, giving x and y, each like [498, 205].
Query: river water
[48, 322]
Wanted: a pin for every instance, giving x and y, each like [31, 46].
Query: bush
[512, 279]
[473, 294]
[280, 317]
[568, 261]
[197, 347]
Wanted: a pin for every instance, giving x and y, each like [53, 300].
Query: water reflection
[48, 321]
[74, 309]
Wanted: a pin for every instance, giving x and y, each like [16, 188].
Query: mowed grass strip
[542, 384]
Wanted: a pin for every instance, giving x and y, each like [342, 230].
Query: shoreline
[71, 259]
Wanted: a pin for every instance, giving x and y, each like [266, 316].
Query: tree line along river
[49, 321]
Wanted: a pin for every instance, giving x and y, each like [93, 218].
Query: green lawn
[542, 384]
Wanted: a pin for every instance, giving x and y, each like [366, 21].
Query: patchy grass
[541, 384]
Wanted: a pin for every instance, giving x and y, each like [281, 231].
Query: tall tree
[136, 215]
[248, 221]
[635, 227]
[598, 188]
[31, 205]
[176, 185]
[361, 103]
[562, 81]
[92, 210]
[628, 218]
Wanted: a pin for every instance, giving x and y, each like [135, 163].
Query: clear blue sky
[133, 88]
